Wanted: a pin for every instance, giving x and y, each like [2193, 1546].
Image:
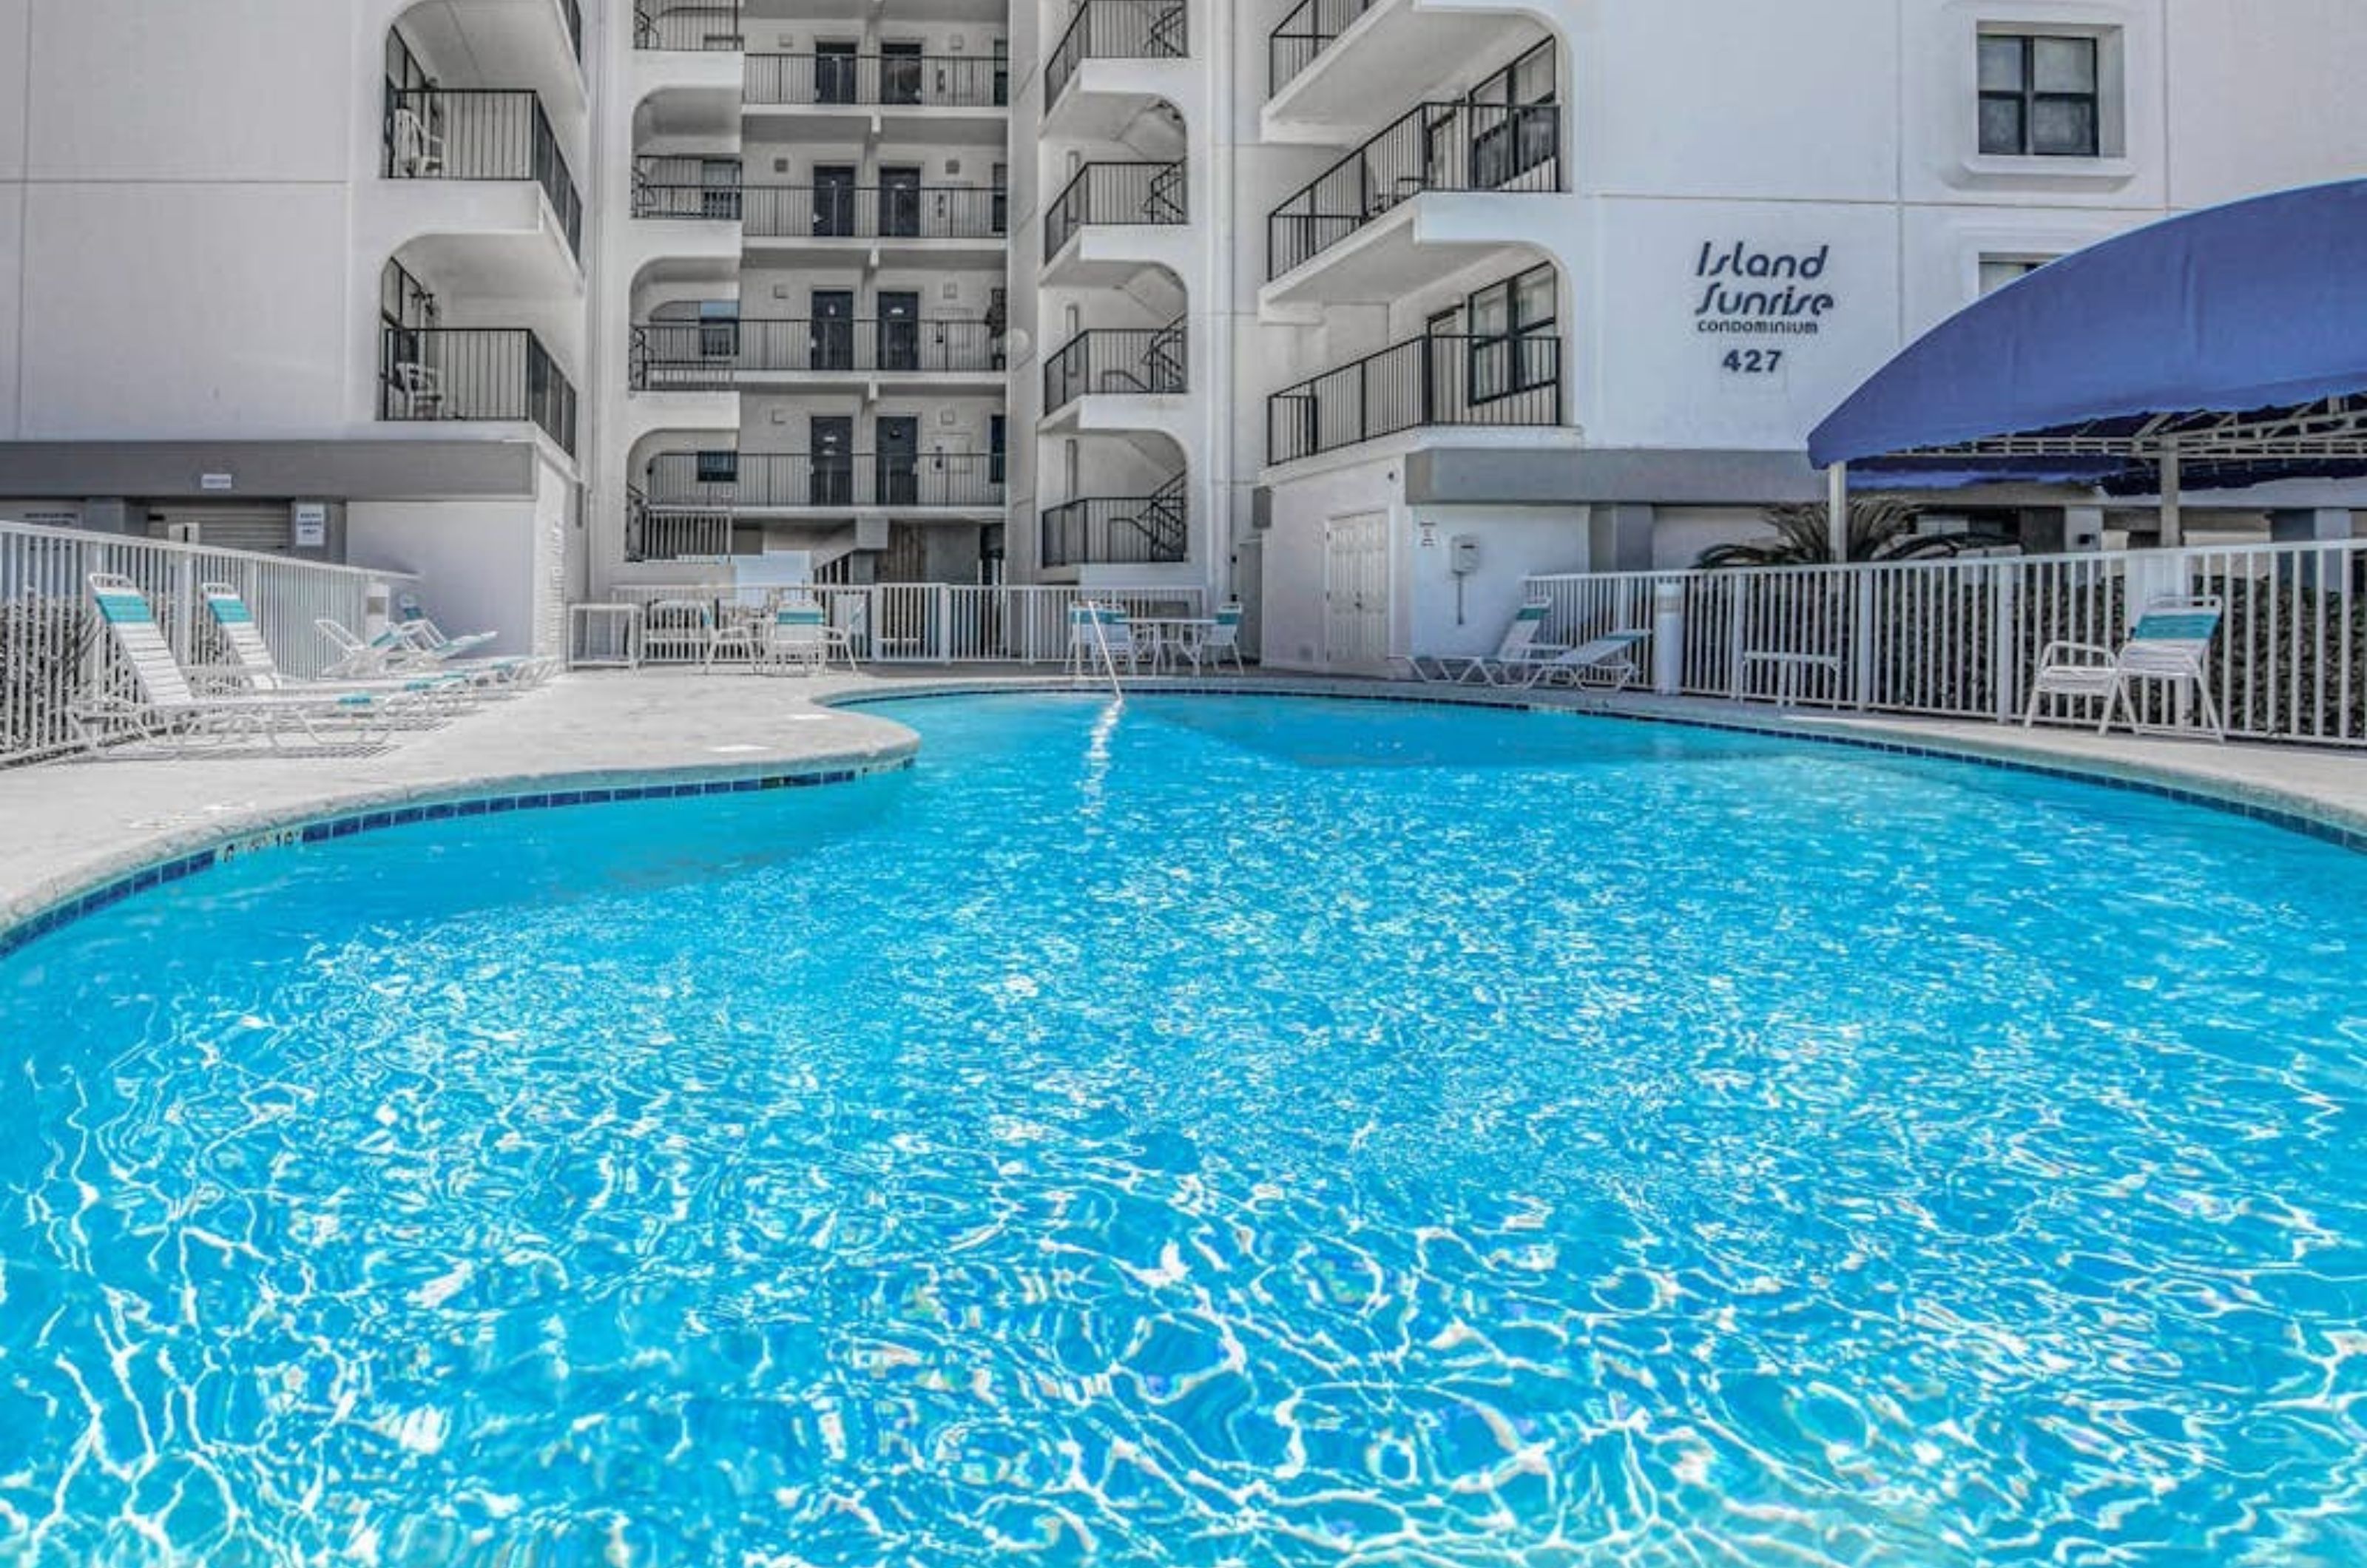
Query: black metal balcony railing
[1306, 32]
[696, 355]
[1115, 29]
[699, 188]
[1128, 360]
[1435, 380]
[437, 133]
[874, 212]
[1435, 146]
[692, 481]
[485, 373]
[933, 81]
[1132, 530]
[1116, 193]
[708, 27]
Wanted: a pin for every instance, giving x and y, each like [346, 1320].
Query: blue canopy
[2239, 332]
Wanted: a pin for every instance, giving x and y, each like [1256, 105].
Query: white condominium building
[1360, 310]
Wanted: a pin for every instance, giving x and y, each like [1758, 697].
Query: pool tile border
[318, 830]
[2234, 799]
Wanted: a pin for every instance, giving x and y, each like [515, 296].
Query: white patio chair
[798, 637]
[2169, 645]
[1220, 640]
[1099, 632]
[421, 390]
[418, 152]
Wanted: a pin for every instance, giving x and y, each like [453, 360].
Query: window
[1514, 343]
[1515, 122]
[2039, 97]
[1998, 271]
[718, 467]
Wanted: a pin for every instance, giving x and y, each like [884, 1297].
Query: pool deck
[70, 826]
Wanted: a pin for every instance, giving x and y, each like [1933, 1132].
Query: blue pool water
[1232, 1132]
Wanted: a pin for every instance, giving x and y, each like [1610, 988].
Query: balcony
[821, 218]
[1119, 194]
[1136, 530]
[878, 81]
[1330, 63]
[1115, 29]
[497, 375]
[838, 482]
[689, 28]
[653, 535]
[1440, 379]
[719, 355]
[1442, 152]
[696, 189]
[436, 133]
[1129, 361]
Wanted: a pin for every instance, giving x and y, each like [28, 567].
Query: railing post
[1861, 639]
[2005, 646]
[945, 621]
[1669, 636]
[1736, 599]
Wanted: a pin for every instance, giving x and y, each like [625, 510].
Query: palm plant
[1881, 528]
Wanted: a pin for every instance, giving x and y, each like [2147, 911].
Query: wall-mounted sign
[312, 526]
[1765, 298]
[213, 481]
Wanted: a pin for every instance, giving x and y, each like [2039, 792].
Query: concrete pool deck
[71, 826]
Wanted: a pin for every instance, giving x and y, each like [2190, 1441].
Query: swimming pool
[1222, 1130]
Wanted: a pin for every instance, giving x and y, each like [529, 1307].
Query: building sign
[1759, 303]
[215, 483]
[311, 527]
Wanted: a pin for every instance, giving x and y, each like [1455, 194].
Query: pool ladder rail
[1097, 616]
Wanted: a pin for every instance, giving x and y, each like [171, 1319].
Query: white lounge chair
[2169, 645]
[428, 637]
[257, 670]
[168, 709]
[1218, 641]
[1099, 636]
[1517, 651]
[390, 653]
[1605, 664]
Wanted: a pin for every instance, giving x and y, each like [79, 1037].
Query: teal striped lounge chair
[2169, 645]
[257, 670]
[1516, 657]
[1606, 663]
[167, 708]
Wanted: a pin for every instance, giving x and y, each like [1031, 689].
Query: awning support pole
[1837, 512]
[2173, 527]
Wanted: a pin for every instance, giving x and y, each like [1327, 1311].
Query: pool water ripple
[1228, 1131]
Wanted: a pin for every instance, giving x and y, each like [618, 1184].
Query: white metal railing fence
[903, 622]
[1961, 638]
[53, 652]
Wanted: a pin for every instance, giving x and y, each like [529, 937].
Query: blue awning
[2240, 332]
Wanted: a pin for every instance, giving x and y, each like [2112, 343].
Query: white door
[1356, 594]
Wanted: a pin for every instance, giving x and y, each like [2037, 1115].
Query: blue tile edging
[374, 818]
[2232, 800]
